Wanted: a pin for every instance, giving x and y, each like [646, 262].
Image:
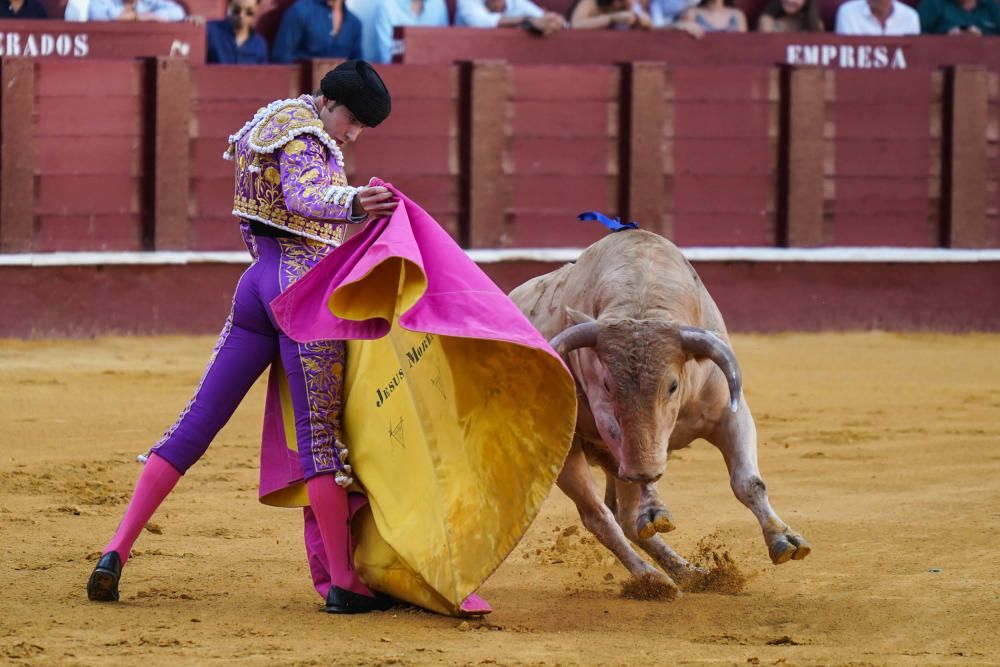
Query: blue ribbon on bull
[614, 224]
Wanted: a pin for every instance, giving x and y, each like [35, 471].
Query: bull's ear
[576, 317]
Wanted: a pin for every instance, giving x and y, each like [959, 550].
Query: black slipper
[343, 601]
[103, 583]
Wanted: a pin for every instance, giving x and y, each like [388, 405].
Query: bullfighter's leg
[636, 501]
[576, 482]
[737, 440]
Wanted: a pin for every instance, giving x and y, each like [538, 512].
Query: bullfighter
[293, 202]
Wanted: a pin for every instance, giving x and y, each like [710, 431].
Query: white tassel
[143, 458]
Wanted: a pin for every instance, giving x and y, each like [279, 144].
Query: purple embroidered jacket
[289, 172]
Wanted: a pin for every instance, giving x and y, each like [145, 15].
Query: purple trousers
[250, 341]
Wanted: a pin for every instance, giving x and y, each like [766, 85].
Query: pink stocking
[157, 480]
[329, 506]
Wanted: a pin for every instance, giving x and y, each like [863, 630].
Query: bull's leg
[610, 498]
[636, 503]
[737, 440]
[576, 482]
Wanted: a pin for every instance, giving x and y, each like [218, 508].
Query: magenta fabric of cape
[460, 299]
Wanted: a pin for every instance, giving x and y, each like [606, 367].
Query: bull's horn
[576, 336]
[702, 343]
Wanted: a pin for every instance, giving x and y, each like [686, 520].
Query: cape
[457, 413]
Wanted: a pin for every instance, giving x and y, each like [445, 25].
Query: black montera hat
[357, 85]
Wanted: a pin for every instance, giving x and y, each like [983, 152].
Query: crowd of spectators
[364, 28]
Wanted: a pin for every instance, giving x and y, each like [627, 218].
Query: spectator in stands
[790, 16]
[391, 14]
[509, 14]
[232, 40]
[317, 29]
[125, 10]
[958, 17]
[717, 16]
[877, 17]
[666, 15]
[365, 11]
[22, 9]
[613, 14]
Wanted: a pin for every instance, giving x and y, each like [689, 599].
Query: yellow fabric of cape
[457, 441]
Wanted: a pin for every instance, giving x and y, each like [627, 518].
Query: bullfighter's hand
[377, 201]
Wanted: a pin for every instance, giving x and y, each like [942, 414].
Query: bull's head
[632, 372]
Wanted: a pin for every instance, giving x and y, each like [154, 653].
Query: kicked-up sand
[882, 449]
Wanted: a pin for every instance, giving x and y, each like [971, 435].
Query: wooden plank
[561, 82]
[803, 151]
[97, 232]
[723, 155]
[723, 84]
[387, 157]
[535, 229]
[488, 188]
[254, 83]
[420, 81]
[873, 157]
[212, 233]
[643, 138]
[717, 120]
[722, 193]
[874, 87]
[882, 121]
[89, 155]
[65, 79]
[93, 194]
[563, 156]
[884, 228]
[546, 118]
[17, 154]
[89, 116]
[967, 225]
[173, 161]
[212, 197]
[692, 228]
[557, 192]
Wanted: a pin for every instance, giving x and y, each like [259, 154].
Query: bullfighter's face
[339, 122]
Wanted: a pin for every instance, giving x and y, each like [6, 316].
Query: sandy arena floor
[882, 449]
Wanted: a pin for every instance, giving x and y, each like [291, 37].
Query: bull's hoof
[788, 547]
[654, 521]
[651, 586]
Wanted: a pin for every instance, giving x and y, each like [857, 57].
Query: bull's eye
[673, 387]
[606, 387]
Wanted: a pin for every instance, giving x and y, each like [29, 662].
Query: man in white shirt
[508, 14]
[877, 17]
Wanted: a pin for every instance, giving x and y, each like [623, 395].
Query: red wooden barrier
[724, 158]
[90, 151]
[601, 47]
[127, 155]
[67, 40]
[886, 152]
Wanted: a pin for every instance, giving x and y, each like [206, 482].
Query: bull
[654, 371]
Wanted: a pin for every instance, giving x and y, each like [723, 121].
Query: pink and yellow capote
[457, 414]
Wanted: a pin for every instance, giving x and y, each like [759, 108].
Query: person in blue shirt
[232, 40]
[317, 29]
[393, 13]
